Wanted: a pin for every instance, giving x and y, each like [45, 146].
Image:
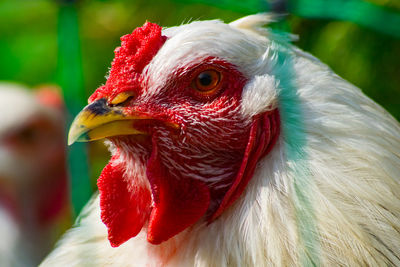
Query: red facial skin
[194, 172]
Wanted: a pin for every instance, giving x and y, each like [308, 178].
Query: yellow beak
[98, 120]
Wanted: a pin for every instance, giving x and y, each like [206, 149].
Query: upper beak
[98, 120]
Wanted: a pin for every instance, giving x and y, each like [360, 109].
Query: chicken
[231, 147]
[34, 203]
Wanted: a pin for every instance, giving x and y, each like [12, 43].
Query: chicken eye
[207, 81]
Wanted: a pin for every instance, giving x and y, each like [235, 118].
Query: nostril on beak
[121, 100]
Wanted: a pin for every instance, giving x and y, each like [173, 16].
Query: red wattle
[123, 211]
[263, 135]
[178, 202]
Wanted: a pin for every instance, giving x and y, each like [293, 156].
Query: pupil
[205, 78]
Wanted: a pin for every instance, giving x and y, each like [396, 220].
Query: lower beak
[98, 120]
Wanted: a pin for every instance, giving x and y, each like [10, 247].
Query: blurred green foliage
[365, 58]
[28, 44]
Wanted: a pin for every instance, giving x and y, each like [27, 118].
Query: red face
[193, 151]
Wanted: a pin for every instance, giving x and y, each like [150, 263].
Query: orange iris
[207, 81]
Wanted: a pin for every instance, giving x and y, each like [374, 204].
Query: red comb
[50, 96]
[136, 51]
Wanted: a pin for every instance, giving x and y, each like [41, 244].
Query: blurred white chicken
[230, 147]
[34, 201]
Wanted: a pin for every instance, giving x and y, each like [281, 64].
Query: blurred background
[69, 44]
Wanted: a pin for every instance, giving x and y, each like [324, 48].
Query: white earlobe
[259, 95]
